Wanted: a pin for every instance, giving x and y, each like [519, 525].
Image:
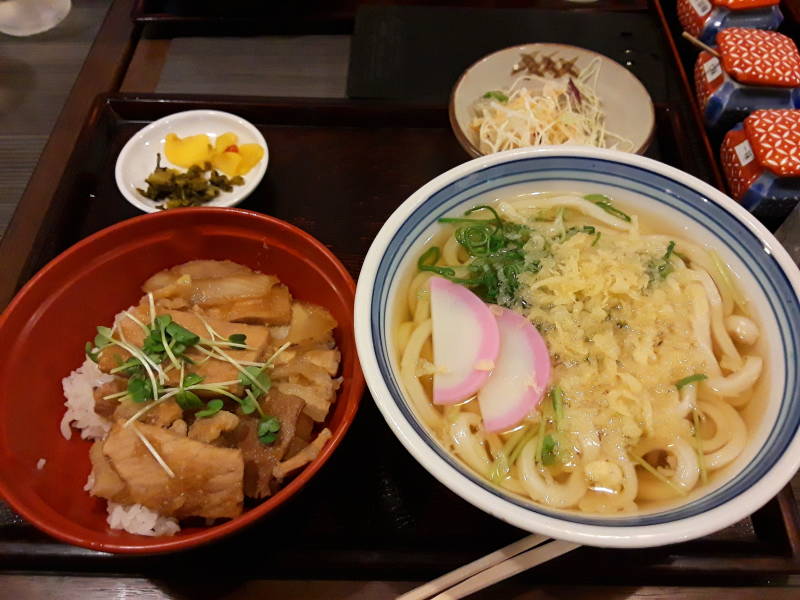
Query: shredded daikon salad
[538, 110]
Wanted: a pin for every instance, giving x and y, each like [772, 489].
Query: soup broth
[656, 357]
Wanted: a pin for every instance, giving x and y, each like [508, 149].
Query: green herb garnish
[188, 400]
[268, 428]
[496, 95]
[604, 202]
[256, 379]
[212, 408]
[191, 379]
[690, 379]
[140, 389]
[237, 338]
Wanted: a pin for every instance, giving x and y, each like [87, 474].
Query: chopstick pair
[497, 566]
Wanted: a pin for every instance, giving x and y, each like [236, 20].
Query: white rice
[140, 520]
[40, 464]
[79, 391]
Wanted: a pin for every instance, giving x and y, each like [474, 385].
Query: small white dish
[138, 157]
[628, 107]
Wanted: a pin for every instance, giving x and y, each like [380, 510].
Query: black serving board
[338, 169]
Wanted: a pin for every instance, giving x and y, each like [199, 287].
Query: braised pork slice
[261, 459]
[273, 309]
[209, 429]
[195, 269]
[207, 482]
[213, 370]
[103, 406]
[303, 457]
[310, 323]
[105, 481]
[162, 414]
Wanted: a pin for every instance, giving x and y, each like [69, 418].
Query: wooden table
[123, 59]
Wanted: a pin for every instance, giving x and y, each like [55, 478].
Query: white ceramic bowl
[685, 206]
[627, 105]
[137, 159]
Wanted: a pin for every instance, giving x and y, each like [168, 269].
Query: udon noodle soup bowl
[674, 203]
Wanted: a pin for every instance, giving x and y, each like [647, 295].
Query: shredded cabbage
[541, 110]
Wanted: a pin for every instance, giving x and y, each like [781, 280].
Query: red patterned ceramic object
[761, 160]
[775, 137]
[757, 57]
[738, 162]
[744, 4]
[705, 18]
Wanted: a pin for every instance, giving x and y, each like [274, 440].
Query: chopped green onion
[728, 280]
[652, 470]
[701, 458]
[428, 260]
[659, 269]
[604, 202]
[557, 396]
[549, 450]
[690, 379]
[597, 238]
[526, 437]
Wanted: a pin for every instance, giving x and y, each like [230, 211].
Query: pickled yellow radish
[251, 155]
[227, 162]
[188, 151]
[225, 141]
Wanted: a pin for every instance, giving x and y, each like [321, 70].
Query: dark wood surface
[338, 169]
[36, 74]
[175, 18]
[102, 71]
[90, 588]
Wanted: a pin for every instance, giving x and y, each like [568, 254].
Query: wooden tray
[174, 18]
[338, 169]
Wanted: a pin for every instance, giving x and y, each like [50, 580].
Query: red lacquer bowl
[45, 327]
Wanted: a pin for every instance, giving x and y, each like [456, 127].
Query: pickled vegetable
[191, 188]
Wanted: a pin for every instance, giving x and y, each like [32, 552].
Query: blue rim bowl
[684, 206]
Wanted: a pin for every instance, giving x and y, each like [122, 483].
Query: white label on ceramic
[712, 69]
[744, 152]
[701, 7]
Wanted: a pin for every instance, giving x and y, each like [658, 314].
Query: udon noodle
[651, 345]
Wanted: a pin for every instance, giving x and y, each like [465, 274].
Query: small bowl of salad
[192, 158]
[550, 95]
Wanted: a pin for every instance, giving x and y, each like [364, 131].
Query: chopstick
[508, 568]
[490, 569]
[699, 44]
